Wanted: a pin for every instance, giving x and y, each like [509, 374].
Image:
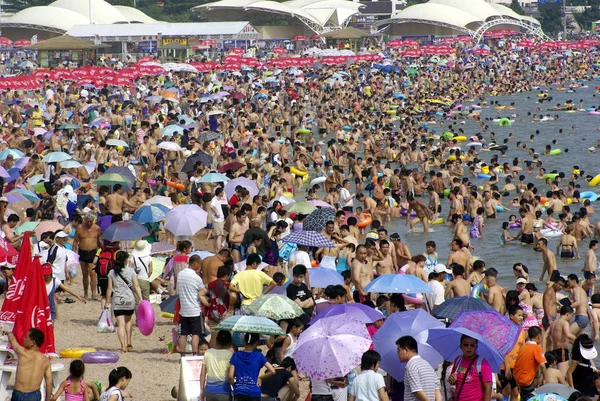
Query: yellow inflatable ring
[391, 111]
[439, 220]
[594, 181]
[297, 172]
[167, 315]
[459, 138]
[288, 194]
[75, 353]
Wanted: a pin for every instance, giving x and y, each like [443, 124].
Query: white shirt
[218, 217]
[39, 248]
[438, 292]
[189, 285]
[60, 263]
[143, 265]
[365, 386]
[300, 258]
[345, 194]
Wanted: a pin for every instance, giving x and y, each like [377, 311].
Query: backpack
[105, 262]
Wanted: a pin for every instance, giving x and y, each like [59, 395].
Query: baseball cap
[61, 234]
[4, 199]
[441, 268]
[587, 349]
[46, 269]
[521, 280]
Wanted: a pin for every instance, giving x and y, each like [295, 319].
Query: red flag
[30, 286]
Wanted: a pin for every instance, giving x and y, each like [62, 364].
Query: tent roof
[165, 29]
[64, 42]
[347, 33]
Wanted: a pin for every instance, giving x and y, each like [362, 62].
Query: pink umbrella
[244, 183]
[319, 203]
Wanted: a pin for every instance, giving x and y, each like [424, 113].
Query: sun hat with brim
[7, 265]
[587, 349]
[141, 248]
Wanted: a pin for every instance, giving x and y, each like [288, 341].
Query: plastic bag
[105, 323]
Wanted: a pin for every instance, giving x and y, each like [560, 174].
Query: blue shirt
[247, 368]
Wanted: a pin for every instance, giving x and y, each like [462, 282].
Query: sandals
[129, 347]
[69, 301]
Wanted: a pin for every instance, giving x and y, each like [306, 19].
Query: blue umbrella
[360, 312]
[447, 343]
[168, 305]
[25, 193]
[397, 283]
[322, 277]
[415, 323]
[150, 213]
[453, 306]
[15, 153]
[170, 130]
[56, 157]
[214, 177]
[309, 238]
[14, 173]
[124, 231]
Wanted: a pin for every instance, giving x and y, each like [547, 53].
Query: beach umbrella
[171, 130]
[162, 247]
[197, 158]
[4, 173]
[47, 225]
[69, 126]
[450, 308]
[159, 200]
[150, 214]
[414, 323]
[117, 142]
[309, 238]
[360, 312]
[124, 231]
[398, 284]
[447, 343]
[555, 388]
[275, 307]
[168, 305]
[56, 157]
[70, 164]
[214, 177]
[300, 208]
[250, 324]
[319, 203]
[284, 200]
[317, 220]
[321, 277]
[27, 300]
[241, 266]
[15, 153]
[332, 347]
[34, 179]
[548, 396]
[27, 194]
[231, 167]
[27, 226]
[247, 183]
[186, 220]
[206, 136]
[172, 146]
[110, 179]
[124, 172]
[497, 329]
[13, 174]
[7, 251]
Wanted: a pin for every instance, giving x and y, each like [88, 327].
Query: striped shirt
[419, 376]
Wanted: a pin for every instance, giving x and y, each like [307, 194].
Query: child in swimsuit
[74, 387]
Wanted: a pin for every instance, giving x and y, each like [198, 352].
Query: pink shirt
[372, 330]
[472, 390]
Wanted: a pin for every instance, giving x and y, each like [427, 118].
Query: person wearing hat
[8, 270]
[436, 279]
[57, 257]
[142, 265]
[580, 374]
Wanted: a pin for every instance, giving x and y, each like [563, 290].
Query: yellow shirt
[217, 363]
[512, 355]
[251, 282]
[37, 117]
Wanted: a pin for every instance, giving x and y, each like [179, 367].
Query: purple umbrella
[4, 173]
[319, 203]
[360, 312]
[497, 329]
[332, 347]
[186, 220]
[413, 323]
[124, 231]
[243, 182]
[21, 163]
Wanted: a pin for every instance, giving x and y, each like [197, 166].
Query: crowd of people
[357, 144]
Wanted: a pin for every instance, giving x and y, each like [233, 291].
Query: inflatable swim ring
[318, 180]
[554, 152]
[551, 176]
[594, 181]
[514, 225]
[479, 289]
[499, 208]
[145, 317]
[484, 176]
[75, 353]
[447, 191]
[368, 220]
[167, 315]
[297, 172]
[439, 220]
[504, 122]
[303, 131]
[289, 195]
[100, 357]
[550, 233]
[592, 196]
[179, 187]
[460, 138]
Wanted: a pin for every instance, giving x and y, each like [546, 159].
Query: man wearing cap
[436, 278]
[57, 257]
[86, 243]
[8, 270]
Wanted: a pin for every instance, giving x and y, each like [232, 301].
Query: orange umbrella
[47, 225]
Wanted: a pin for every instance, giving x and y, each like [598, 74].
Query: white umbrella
[159, 200]
[215, 112]
[186, 220]
[117, 142]
[170, 146]
[70, 164]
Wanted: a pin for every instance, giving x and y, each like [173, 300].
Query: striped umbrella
[316, 220]
[309, 238]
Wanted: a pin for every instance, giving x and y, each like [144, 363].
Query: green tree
[589, 15]
[551, 21]
[516, 7]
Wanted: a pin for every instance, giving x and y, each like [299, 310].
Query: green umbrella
[28, 226]
[412, 71]
[250, 324]
[69, 126]
[111, 179]
[275, 307]
[301, 208]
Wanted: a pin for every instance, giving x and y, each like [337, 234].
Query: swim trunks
[567, 254]
[527, 238]
[562, 355]
[546, 322]
[22, 396]
[582, 321]
[87, 256]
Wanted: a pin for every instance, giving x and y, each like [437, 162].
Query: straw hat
[141, 248]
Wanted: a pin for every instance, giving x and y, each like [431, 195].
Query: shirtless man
[86, 243]
[591, 262]
[32, 368]
[549, 259]
[579, 301]
[561, 338]
[549, 300]
[210, 265]
[362, 274]
[236, 236]
[383, 259]
[115, 203]
[143, 151]
[369, 203]
[402, 250]
[424, 214]
[459, 287]
[460, 255]
[526, 233]
[495, 295]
